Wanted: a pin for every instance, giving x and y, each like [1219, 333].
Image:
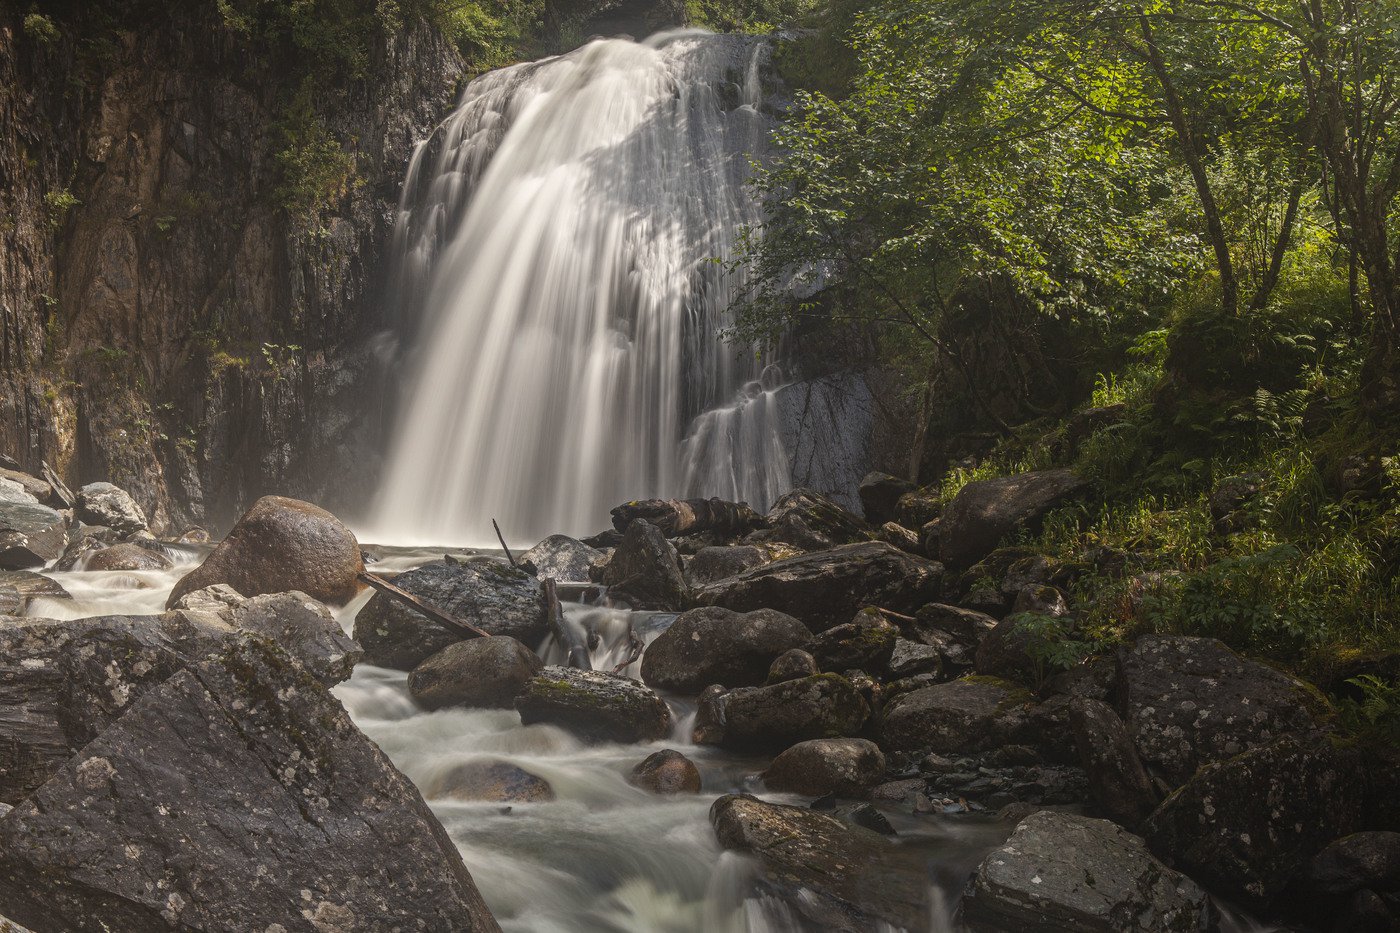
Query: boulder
[594, 706]
[1230, 500]
[959, 716]
[281, 545]
[1060, 873]
[127, 557]
[717, 646]
[833, 875]
[286, 817]
[479, 672]
[866, 644]
[710, 564]
[827, 588]
[563, 558]
[911, 659]
[30, 535]
[105, 504]
[918, 508]
[879, 496]
[772, 717]
[488, 781]
[817, 767]
[791, 665]
[487, 593]
[1013, 648]
[644, 571]
[985, 511]
[1360, 861]
[1247, 826]
[35, 488]
[29, 586]
[968, 627]
[667, 773]
[1191, 701]
[1117, 780]
[808, 520]
[900, 537]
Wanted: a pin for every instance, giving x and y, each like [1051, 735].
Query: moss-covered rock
[594, 706]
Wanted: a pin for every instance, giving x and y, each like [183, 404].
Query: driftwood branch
[505, 547]
[635, 645]
[454, 625]
[578, 652]
[677, 517]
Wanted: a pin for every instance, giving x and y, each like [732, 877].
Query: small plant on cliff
[41, 29]
[59, 203]
[312, 166]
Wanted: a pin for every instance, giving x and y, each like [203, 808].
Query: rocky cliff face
[166, 323]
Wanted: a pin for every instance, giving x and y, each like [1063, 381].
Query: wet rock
[958, 716]
[792, 665]
[1059, 873]
[105, 504]
[286, 815]
[1365, 860]
[32, 486]
[865, 644]
[708, 728]
[281, 545]
[844, 767]
[992, 781]
[193, 535]
[666, 772]
[835, 876]
[879, 496]
[966, 626]
[717, 646]
[29, 586]
[813, 522]
[478, 672]
[594, 706]
[491, 781]
[710, 564]
[127, 557]
[489, 594]
[1247, 826]
[30, 535]
[563, 558]
[771, 718]
[984, 512]
[1117, 780]
[910, 659]
[1192, 701]
[644, 571]
[829, 587]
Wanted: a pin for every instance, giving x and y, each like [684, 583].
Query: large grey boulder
[237, 794]
[718, 646]
[867, 643]
[985, 511]
[594, 706]
[489, 594]
[827, 588]
[845, 767]
[1119, 784]
[30, 535]
[1192, 701]
[835, 876]
[127, 556]
[280, 545]
[109, 506]
[478, 672]
[1060, 873]
[710, 564]
[644, 570]
[808, 520]
[563, 558]
[959, 716]
[773, 717]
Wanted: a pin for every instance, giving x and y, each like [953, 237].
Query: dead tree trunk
[578, 651]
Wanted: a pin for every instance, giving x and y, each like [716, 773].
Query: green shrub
[41, 29]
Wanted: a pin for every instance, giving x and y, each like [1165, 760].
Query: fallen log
[635, 646]
[454, 625]
[578, 651]
[676, 517]
[505, 547]
[60, 489]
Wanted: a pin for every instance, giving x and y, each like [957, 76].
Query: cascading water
[559, 234]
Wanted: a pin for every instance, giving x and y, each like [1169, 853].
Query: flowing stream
[562, 298]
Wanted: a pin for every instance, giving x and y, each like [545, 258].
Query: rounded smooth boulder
[479, 672]
[845, 767]
[666, 772]
[127, 557]
[719, 646]
[280, 545]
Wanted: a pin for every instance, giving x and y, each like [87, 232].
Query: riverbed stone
[806, 519]
[958, 716]
[911, 659]
[667, 773]
[773, 717]
[1364, 860]
[1117, 780]
[845, 767]
[105, 504]
[834, 875]
[791, 665]
[827, 588]
[489, 781]
[879, 496]
[281, 545]
[644, 570]
[1061, 873]
[479, 672]
[712, 645]
[710, 564]
[29, 586]
[866, 643]
[985, 511]
[484, 592]
[563, 558]
[286, 816]
[595, 706]
[127, 556]
[30, 535]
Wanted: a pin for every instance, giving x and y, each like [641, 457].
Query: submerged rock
[491, 781]
[815, 768]
[985, 511]
[108, 505]
[835, 876]
[666, 772]
[774, 717]
[30, 535]
[281, 545]
[563, 558]
[286, 816]
[1060, 873]
[644, 570]
[828, 588]
[489, 594]
[126, 556]
[479, 672]
[594, 706]
[718, 646]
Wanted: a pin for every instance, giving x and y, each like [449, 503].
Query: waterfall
[559, 291]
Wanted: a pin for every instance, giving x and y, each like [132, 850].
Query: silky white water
[560, 291]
